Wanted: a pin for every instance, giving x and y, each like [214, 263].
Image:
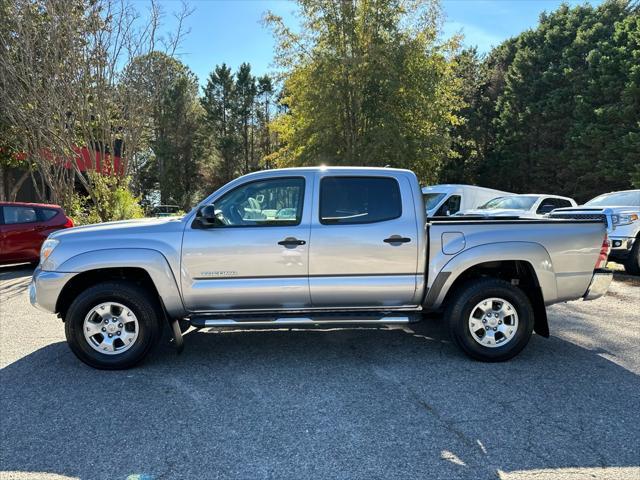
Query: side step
[291, 320]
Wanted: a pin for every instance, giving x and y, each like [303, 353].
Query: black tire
[470, 294]
[632, 263]
[143, 304]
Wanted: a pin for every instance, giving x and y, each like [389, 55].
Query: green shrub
[112, 200]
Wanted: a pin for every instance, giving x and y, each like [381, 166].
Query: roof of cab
[27, 204]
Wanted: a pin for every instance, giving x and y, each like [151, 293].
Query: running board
[351, 318]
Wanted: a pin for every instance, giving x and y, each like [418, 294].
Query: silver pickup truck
[314, 247]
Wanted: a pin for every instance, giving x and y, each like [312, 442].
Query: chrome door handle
[291, 242]
[396, 239]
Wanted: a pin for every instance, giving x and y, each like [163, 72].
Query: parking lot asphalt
[399, 403]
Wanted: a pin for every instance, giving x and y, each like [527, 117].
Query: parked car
[314, 247]
[522, 206]
[625, 239]
[165, 210]
[23, 228]
[444, 200]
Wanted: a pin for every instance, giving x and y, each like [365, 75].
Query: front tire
[632, 263]
[490, 319]
[113, 325]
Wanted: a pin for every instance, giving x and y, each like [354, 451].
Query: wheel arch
[524, 264]
[146, 267]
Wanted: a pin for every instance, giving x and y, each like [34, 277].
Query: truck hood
[626, 230]
[128, 227]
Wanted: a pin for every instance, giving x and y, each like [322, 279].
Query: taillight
[68, 223]
[604, 253]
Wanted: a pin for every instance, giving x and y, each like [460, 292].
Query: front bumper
[599, 284]
[621, 247]
[45, 288]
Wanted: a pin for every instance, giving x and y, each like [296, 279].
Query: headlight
[627, 218]
[47, 248]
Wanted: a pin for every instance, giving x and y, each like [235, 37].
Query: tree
[265, 94]
[218, 103]
[170, 164]
[557, 107]
[366, 83]
[61, 84]
[245, 94]
[175, 147]
[236, 123]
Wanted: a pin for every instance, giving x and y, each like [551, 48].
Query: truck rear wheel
[490, 319]
[113, 325]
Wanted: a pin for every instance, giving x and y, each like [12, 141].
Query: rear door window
[356, 200]
[19, 214]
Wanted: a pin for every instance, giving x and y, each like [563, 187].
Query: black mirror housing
[207, 216]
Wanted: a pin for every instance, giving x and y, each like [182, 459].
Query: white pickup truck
[624, 206]
[315, 246]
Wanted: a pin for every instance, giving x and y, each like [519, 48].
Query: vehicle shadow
[13, 280]
[334, 403]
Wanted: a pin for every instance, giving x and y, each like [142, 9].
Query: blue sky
[230, 31]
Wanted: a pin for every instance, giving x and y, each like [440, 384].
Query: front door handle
[396, 239]
[291, 242]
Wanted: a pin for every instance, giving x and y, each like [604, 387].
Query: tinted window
[353, 200]
[620, 199]
[432, 199]
[264, 203]
[515, 202]
[47, 214]
[451, 206]
[19, 215]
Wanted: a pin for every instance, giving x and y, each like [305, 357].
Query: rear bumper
[45, 288]
[599, 284]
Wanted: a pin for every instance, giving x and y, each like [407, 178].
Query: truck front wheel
[490, 319]
[632, 263]
[113, 325]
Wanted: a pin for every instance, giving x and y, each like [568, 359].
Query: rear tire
[141, 323]
[632, 263]
[490, 319]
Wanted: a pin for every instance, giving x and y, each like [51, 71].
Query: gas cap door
[453, 242]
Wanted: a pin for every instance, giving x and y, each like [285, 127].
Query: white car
[625, 238]
[449, 199]
[533, 205]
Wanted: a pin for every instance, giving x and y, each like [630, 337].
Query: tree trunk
[16, 188]
[3, 173]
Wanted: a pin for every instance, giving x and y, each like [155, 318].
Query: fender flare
[530, 252]
[151, 261]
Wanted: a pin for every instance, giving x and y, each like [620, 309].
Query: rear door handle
[291, 242]
[396, 239]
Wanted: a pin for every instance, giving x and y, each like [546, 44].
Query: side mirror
[207, 216]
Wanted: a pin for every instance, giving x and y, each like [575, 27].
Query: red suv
[23, 228]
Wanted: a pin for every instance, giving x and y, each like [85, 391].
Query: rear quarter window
[47, 213]
[358, 200]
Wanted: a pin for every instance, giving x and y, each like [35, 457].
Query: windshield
[620, 199]
[431, 200]
[513, 202]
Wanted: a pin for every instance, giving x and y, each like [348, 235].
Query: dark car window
[354, 200]
[549, 204]
[47, 213]
[19, 214]
[451, 206]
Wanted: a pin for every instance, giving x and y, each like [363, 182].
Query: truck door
[257, 256]
[364, 239]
